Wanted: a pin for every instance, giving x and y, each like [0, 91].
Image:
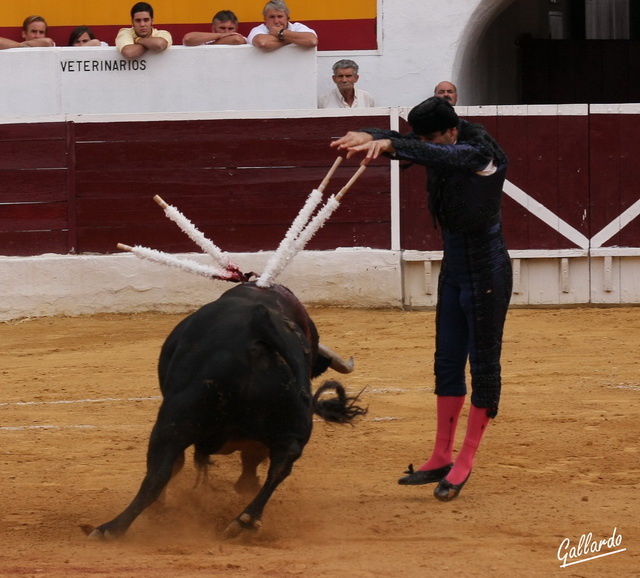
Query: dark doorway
[588, 53]
[579, 71]
[555, 52]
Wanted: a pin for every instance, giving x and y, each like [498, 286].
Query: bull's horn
[337, 363]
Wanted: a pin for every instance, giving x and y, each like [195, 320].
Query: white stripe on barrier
[616, 225]
[545, 215]
[550, 218]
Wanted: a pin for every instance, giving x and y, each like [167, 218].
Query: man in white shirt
[277, 31]
[224, 30]
[345, 95]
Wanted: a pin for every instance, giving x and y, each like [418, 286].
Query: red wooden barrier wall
[34, 190]
[241, 182]
[615, 174]
[548, 159]
[84, 187]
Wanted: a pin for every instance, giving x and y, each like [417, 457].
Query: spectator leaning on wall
[134, 42]
[224, 30]
[84, 36]
[34, 33]
[277, 31]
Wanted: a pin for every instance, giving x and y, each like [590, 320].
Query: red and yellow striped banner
[340, 25]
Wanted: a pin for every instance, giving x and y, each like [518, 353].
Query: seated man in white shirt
[345, 95]
[277, 31]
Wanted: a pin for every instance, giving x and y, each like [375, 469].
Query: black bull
[236, 375]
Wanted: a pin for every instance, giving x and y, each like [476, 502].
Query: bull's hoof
[241, 523]
[88, 529]
[96, 533]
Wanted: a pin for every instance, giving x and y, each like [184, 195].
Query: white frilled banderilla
[303, 228]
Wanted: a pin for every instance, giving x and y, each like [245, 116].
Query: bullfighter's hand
[355, 143]
[352, 138]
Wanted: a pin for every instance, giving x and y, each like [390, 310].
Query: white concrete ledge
[48, 285]
[98, 80]
[615, 252]
[412, 255]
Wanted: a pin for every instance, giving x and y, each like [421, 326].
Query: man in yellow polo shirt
[134, 42]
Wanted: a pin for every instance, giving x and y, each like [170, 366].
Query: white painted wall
[421, 42]
[43, 81]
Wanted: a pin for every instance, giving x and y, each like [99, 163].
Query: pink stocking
[476, 426]
[448, 408]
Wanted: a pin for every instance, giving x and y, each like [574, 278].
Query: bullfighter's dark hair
[432, 116]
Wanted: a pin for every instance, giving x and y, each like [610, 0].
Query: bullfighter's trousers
[474, 290]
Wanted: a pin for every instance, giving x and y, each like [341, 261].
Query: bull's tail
[339, 409]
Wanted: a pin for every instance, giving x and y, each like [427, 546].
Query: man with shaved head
[446, 90]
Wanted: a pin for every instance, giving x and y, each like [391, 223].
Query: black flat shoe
[446, 491]
[419, 477]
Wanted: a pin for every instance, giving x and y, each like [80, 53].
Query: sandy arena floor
[561, 461]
